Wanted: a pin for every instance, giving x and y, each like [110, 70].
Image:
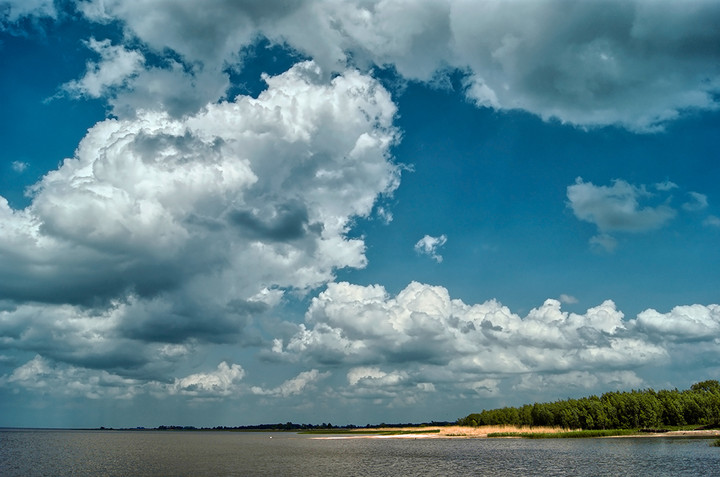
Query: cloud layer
[363, 325]
[397, 350]
[424, 339]
[594, 63]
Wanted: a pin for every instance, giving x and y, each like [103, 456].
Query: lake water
[156, 453]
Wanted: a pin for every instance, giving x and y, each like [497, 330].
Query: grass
[496, 431]
[486, 431]
[567, 434]
[715, 443]
[377, 431]
[440, 431]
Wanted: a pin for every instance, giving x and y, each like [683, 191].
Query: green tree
[711, 386]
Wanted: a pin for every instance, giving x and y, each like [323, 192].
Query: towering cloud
[163, 230]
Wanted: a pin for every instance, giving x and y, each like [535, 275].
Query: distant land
[637, 409]
[288, 426]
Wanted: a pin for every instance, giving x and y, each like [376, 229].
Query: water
[154, 453]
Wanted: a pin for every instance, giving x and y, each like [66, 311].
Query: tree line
[699, 405]
[288, 426]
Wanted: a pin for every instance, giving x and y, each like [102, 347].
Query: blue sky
[352, 212]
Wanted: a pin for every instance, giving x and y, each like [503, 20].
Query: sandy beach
[455, 432]
[459, 432]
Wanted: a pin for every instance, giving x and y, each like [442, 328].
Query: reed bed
[467, 431]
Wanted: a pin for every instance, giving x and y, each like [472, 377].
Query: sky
[222, 213]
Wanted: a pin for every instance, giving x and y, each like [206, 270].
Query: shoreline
[474, 434]
[689, 433]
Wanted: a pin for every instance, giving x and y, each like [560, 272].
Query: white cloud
[32, 372]
[423, 327]
[569, 299]
[428, 245]
[19, 166]
[712, 221]
[373, 376]
[624, 207]
[698, 202]
[616, 207]
[693, 322]
[13, 10]
[393, 388]
[223, 382]
[385, 215]
[395, 348]
[44, 377]
[174, 88]
[580, 380]
[424, 339]
[484, 387]
[637, 66]
[200, 214]
[117, 66]
[273, 180]
[666, 186]
[196, 226]
[604, 242]
[294, 386]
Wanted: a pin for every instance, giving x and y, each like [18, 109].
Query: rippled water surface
[144, 453]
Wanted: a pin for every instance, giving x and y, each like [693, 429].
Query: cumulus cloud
[399, 347]
[423, 325]
[624, 207]
[189, 215]
[597, 63]
[616, 208]
[364, 372]
[44, 377]
[692, 323]
[195, 225]
[220, 383]
[696, 203]
[569, 299]
[162, 189]
[428, 245]
[580, 380]
[398, 387]
[117, 65]
[592, 64]
[293, 386]
[19, 166]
